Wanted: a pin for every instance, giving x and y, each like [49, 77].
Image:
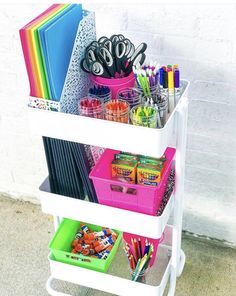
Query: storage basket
[60, 247]
[133, 197]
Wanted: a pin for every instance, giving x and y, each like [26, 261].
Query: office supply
[177, 80]
[71, 245]
[149, 172]
[144, 116]
[83, 158]
[171, 90]
[57, 40]
[117, 110]
[29, 55]
[64, 176]
[37, 52]
[147, 78]
[127, 196]
[112, 57]
[101, 92]
[114, 84]
[132, 95]
[139, 246]
[170, 84]
[91, 107]
[139, 261]
[124, 170]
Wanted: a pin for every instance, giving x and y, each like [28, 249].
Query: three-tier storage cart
[170, 259]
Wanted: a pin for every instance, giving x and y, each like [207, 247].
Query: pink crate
[133, 197]
[127, 238]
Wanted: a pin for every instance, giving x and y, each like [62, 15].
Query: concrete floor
[25, 232]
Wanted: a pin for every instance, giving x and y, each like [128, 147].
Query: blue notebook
[57, 38]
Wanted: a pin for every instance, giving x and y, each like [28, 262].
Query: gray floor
[25, 232]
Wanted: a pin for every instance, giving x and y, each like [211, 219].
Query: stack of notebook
[47, 43]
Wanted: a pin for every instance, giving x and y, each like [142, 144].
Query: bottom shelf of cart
[118, 280]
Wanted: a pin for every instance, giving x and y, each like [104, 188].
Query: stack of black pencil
[69, 165]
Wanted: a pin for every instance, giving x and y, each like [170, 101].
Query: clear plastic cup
[132, 95]
[161, 103]
[149, 92]
[103, 97]
[143, 115]
[91, 107]
[114, 112]
[162, 109]
[139, 277]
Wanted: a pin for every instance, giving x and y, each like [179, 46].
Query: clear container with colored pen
[160, 102]
[143, 115]
[101, 92]
[132, 95]
[117, 110]
[139, 276]
[91, 107]
[149, 92]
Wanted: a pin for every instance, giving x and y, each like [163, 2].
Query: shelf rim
[67, 207]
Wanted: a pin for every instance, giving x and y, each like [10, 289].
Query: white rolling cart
[170, 259]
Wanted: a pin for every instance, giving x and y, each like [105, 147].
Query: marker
[171, 91]
[177, 81]
[161, 71]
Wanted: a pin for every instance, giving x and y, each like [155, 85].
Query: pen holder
[144, 116]
[162, 109]
[149, 91]
[129, 238]
[91, 107]
[115, 84]
[117, 110]
[139, 276]
[100, 93]
[132, 95]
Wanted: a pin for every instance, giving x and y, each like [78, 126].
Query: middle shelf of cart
[124, 220]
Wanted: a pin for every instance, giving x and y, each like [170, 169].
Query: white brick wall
[201, 39]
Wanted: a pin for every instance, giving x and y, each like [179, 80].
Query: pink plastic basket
[143, 199]
[115, 84]
[127, 238]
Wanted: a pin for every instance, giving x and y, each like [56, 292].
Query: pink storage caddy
[133, 197]
[115, 84]
[127, 238]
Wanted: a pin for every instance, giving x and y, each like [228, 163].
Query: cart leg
[181, 263]
[178, 256]
[56, 221]
[51, 291]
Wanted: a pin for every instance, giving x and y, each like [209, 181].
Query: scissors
[98, 61]
[138, 56]
[120, 54]
[109, 56]
[106, 58]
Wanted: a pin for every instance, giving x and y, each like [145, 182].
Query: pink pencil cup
[127, 238]
[115, 84]
[132, 197]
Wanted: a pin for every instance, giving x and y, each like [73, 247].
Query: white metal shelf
[118, 280]
[103, 133]
[67, 207]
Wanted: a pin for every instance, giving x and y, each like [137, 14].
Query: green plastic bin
[60, 247]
